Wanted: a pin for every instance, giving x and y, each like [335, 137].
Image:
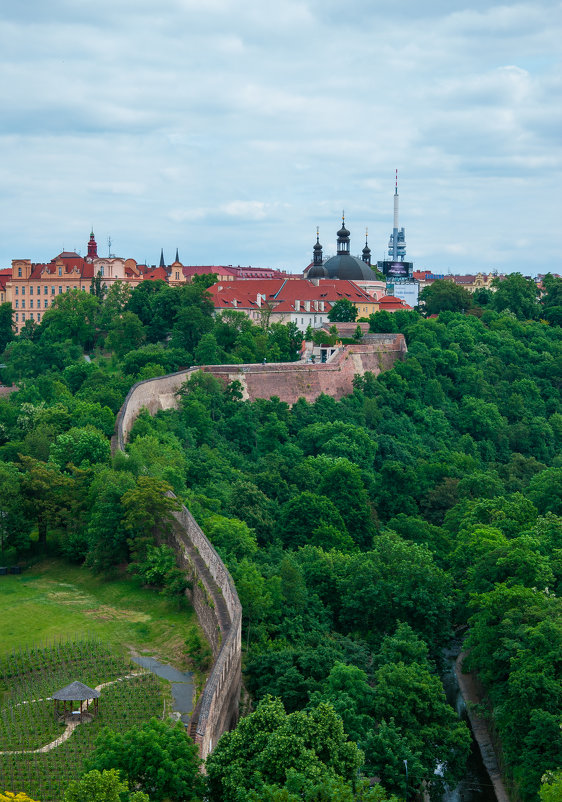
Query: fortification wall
[213, 593]
[287, 380]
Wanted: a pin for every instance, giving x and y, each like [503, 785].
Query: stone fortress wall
[213, 592]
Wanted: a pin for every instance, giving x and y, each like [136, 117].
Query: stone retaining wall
[213, 594]
[287, 380]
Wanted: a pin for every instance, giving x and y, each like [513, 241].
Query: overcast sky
[231, 129]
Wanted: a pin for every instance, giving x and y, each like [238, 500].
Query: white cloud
[249, 210]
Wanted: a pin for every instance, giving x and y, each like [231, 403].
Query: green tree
[444, 296]
[14, 526]
[157, 758]
[47, 494]
[106, 534]
[545, 491]
[270, 746]
[80, 447]
[115, 302]
[516, 294]
[98, 288]
[231, 537]
[301, 520]
[412, 699]
[158, 568]
[125, 333]
[104, 786]
[148, 509]
[6, 331]
[343, 311]
[73, 316]
[382, 322]
[551, 786]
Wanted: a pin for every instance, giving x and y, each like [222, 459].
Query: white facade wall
[407, 291]
[302, 319]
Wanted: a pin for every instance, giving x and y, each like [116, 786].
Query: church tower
[366, 250]
[343, 238]
[92, 248]
[317, 257]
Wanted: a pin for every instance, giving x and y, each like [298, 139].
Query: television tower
[397, 241]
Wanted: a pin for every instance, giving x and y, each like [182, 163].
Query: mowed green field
[54, 600]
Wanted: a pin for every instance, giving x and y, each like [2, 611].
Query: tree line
[361, 534]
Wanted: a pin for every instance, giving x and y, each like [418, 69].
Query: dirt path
[71, 726]
[472, 695]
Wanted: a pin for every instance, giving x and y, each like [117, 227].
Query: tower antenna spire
[397, 241]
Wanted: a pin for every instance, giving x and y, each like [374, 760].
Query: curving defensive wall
[213, 593]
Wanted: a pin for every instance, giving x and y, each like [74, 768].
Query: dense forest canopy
[361, 533]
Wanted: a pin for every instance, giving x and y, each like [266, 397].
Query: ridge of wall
[213, 594]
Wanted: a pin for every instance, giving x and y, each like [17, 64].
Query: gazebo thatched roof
[76, 692]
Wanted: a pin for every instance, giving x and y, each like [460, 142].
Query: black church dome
[345, 266]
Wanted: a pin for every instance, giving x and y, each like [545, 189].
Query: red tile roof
[283, 293]
[389, 302]
[237, 272]
[204, 270]
[156, 273]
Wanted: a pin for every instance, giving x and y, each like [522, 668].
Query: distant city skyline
[231, 134]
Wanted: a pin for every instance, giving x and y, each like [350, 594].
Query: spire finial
[366, 235]
[177, 255]
[396, 184]
[162, 264]
[317, 233]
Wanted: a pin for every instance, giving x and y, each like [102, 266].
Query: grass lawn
[54, 600]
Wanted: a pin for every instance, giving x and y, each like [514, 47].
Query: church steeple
[177, 255]
[317, 257]
[366, 250]
[343, 238]
[162, 263]
[92, 248]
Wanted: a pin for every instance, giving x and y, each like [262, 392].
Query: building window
[31, 304]
[46, 290]
[60, 271]
[31, 290]
[17, 317]
[19, 272]
[177, 276]
[23, 290]
[17, 290]
[60, 290]
[46, 303]
[38, 317]
[23, 317]
[31, 316]
[52, 290]
[17, 304]
[23, 304]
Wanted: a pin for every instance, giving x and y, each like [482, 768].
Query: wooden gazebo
[75, 692]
